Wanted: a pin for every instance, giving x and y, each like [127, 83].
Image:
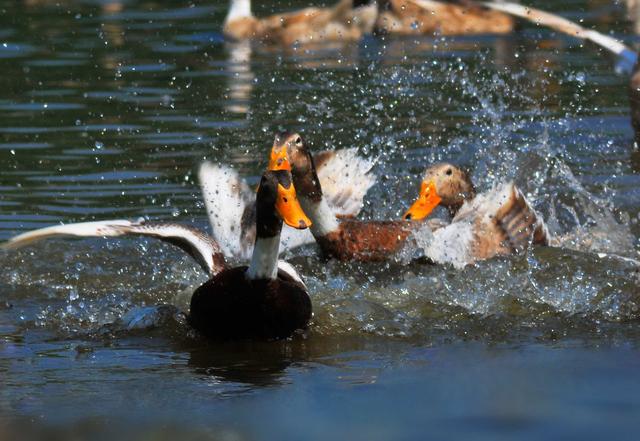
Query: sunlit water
[106, 111]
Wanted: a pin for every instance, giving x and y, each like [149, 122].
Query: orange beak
[289, 208]
[427, 201]
[279, 160]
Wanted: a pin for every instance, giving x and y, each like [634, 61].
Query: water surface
[107, 109]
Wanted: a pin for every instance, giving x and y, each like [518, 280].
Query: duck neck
[312, 201]
[323, 219]
[238, 9]
[264, 261]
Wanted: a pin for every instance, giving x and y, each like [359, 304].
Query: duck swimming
[345, 178]
[486, 221]
[498, 222]
[348, 20]
[428, 17]
[267, 299]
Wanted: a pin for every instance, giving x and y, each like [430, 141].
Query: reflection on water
[106, 110]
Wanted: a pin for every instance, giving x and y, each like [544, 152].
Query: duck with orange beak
[504, 222]
[498, 222]
[343, 239]
[263, 299]
[266, 299]
[345, 177]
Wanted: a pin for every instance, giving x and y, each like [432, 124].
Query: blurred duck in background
[348, 20]
[426, 17]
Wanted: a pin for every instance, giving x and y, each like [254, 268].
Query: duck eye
[449, 172]
[298, 140]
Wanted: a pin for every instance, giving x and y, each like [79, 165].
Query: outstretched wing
[561, 24]
[503, 222]
[226, 196]
[198, 245]
[345, 177]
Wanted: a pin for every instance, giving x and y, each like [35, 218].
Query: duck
[265, 300]
[498, 222]
[504, 210]
[429, 17]
[345, 176]
[348, 20]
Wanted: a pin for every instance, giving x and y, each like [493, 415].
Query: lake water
[107, 109]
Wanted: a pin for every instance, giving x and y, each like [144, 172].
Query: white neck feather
[264, 262]
[238, 9]
[323, 218]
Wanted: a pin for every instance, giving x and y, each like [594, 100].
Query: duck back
[231, 306]
[373, 241]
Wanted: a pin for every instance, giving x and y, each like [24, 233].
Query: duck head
[277, 202]
[289, 150]
[443, 184]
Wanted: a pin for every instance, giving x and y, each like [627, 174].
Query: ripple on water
[56, 62]
[16, 50]
[41, 106]
[24, 145]
[121, 175]
[159, 67]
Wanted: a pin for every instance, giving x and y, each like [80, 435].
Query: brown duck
[428, 17]
[348, 20]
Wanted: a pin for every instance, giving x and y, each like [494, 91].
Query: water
[106, 111]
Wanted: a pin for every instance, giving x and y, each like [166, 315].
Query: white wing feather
[226, 196]
[346, 178]
[191, 240]
[565, 26]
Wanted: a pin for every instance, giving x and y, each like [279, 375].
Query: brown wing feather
[513, 227]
